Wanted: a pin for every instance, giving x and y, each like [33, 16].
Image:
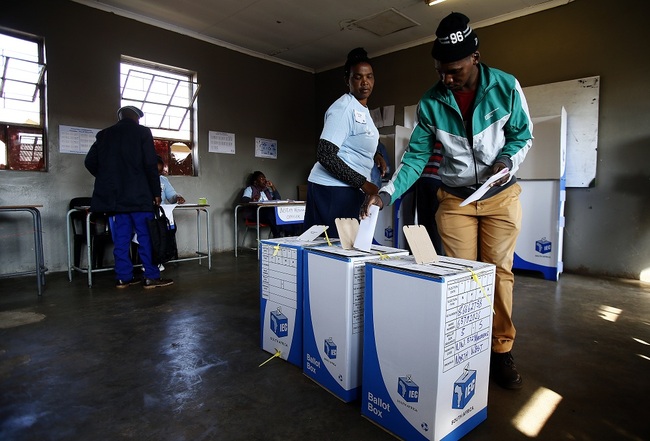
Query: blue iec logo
[279, 323]
[543, 246]
[407, 389]
[464, 389]
[330, 348]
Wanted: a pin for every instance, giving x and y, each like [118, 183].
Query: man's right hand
[157, 201]
[371, 199]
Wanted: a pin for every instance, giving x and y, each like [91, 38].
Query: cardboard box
[281, 296]
[333, 322]
[427, 345]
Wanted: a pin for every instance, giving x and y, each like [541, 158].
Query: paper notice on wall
[76, 140]
[266, 148]
[221, 142]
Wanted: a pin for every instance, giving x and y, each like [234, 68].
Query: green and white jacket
[502, 131]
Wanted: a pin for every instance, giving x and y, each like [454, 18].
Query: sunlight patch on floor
[533, 415]
[609, 313]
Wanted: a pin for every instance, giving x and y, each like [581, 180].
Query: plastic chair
[251, 224]
[100, 234]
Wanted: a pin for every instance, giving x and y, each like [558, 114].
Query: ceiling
[314, 35]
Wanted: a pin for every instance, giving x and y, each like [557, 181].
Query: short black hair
[356, 56]
[253, 177]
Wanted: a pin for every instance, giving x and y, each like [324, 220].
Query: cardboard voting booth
[542, 178]
[281, 294]
[427, 345]
[333, 321]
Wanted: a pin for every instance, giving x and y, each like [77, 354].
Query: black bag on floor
[163, 237]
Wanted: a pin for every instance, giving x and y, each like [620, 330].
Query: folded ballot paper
[478, 194]
[355, 235]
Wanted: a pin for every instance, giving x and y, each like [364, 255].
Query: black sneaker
[121, 284]
[504, 371]
[155, 283]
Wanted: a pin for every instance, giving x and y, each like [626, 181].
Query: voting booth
[427, 345]
[395, 216]
[542, 177]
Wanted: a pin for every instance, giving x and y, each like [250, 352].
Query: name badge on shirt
[359, 117]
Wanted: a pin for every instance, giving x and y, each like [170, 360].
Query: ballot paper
[478, 194]
[363, 241]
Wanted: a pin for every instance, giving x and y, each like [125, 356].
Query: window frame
[165, 135]
[15, 150]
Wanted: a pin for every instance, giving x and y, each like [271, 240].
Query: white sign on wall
[221, 142]
[266, 148]
[76, 140]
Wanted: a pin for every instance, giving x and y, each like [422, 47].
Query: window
[22, 103]
[167, 96]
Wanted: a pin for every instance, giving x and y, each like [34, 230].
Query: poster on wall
[221, 142]
[266, 148]
[76, 140]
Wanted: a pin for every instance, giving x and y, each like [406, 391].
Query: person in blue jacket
[127, 187]
[479, 117]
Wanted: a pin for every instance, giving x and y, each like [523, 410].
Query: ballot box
[426, 346]
[333, 307]
[281, 296]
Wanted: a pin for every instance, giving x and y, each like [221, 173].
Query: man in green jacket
[480, 118]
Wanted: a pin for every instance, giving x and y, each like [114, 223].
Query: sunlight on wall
[645, 275]
[609, 313]
[531, 418]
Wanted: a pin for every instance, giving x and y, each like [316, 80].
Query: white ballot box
[281, 296]
[333, 308]
[427, 345]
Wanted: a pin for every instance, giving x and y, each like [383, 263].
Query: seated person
[168, 195]
[260, 190]
[167, 192]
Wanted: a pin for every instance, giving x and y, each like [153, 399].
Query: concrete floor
[181, 363]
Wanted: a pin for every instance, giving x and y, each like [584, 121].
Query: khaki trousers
[486, 231]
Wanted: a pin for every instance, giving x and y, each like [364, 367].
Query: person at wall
[261, 189]
[346, 150]
[123, 162]
[480, 118]
[168, 194]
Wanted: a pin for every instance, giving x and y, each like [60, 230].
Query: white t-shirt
[349, 126]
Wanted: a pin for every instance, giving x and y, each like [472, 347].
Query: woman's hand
[371, 199]
[380, 162]
[369, 188]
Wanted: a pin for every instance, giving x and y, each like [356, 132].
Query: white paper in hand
[478, 194]
[366, 231]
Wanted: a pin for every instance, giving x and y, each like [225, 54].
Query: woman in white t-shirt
[345, 155]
